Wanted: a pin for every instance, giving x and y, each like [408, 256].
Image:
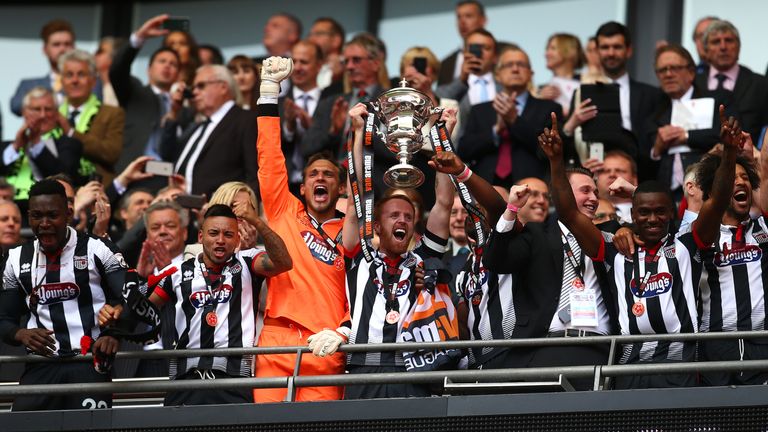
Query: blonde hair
[420, 51]
[569, 48]
[225, 194]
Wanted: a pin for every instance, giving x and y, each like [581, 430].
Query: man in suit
[99, 127]
[698, 39]
[298, 106]
[144, 105]
[677, 147]
[58, 38]
[328, 34]
[637, 100]
[545, 261]
[329, 122]
[500, 138]
[735, 83]
[39, 149]
[470, 16]
[281, 33]
[476, 83]
[218, 149]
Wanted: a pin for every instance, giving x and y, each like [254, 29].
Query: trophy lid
[398, 95]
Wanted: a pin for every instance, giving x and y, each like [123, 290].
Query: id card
[584, 308]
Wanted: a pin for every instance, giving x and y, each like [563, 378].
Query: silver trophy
[404, 111]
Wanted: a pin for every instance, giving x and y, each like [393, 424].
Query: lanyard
[212, 288]
[441, 142]
[571, 256]
[319, 228]
[640, 284]
[392, 279]
[363, 198]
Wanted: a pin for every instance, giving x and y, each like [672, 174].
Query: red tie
[504, 163]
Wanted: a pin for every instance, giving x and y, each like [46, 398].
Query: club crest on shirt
[728, 257]
[658, 284]
[760, 237]
[235, 268]
[81, 262]
[201, 298]
[319, 249]
[669, 251]
[52, 293]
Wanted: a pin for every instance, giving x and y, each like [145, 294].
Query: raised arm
[277, 259]
[588, 236]
[707, 225]
[486, 195]
[350, 235]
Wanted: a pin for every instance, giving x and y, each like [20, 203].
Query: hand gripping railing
[597, 372]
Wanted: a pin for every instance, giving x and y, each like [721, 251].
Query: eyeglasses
[201, 85]
[610, 216]
[671, 68]
[354, 60]
[510, 65]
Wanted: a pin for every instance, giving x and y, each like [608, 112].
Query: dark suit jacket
[68, 161]
[700, 141]
[28, 84]
[229, 153]
[447, 67]
[479, 149]
[534, 255]
[643, 101]
[749, 96]
[142, 107]
[103, 142]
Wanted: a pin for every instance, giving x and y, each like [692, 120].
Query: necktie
[153, 143]
[462, 251]
[720, 81]
[362, 96]
[569, 275]
[185, 161]
[304, 101]
[482, 90]
[73, 117]
[504, 162]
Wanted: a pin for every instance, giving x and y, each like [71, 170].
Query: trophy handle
[436, 111]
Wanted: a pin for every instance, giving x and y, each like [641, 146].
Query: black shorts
[728, 350]
[375, 391]
[62, 373]
[208, 396]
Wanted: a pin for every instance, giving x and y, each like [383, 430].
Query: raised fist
[274, 70]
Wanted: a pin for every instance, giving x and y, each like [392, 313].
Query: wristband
[513, 208]
[465, 175]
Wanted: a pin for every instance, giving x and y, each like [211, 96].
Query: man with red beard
[382, 292]
[309, 298]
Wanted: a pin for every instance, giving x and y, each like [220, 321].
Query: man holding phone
[145, 105]
[476, 83]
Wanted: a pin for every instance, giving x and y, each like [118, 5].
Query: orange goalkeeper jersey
[312, 294]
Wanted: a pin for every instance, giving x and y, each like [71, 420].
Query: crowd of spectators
[610, 206]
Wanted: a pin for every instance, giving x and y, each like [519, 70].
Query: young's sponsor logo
[319, 249]
[729, 257]
[52, 293]
[658, 284]
[201, 298]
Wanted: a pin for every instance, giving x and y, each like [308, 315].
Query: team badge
[236, 268]
[669, 252]
[638, 309]
[760, 237]
[81, 262]
[578, 284]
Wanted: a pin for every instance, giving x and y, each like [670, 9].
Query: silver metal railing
[598, 373]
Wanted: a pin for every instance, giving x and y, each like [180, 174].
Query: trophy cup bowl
[404, 111]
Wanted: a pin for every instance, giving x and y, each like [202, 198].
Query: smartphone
[597, 151]
[420, 64]
[191, 201]
[159, 168]
[187, 93]
[476, 50]
[177, 24]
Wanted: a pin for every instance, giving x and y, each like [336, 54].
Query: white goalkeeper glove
[274, 70]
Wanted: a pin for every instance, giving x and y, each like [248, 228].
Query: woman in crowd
[564, 58]
[186, 47]
[246, 75]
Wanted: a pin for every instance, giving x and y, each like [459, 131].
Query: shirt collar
[622, 81]
[221, 112]
[314, 93]
[488, 77]
[687, 96]
[731, 73]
